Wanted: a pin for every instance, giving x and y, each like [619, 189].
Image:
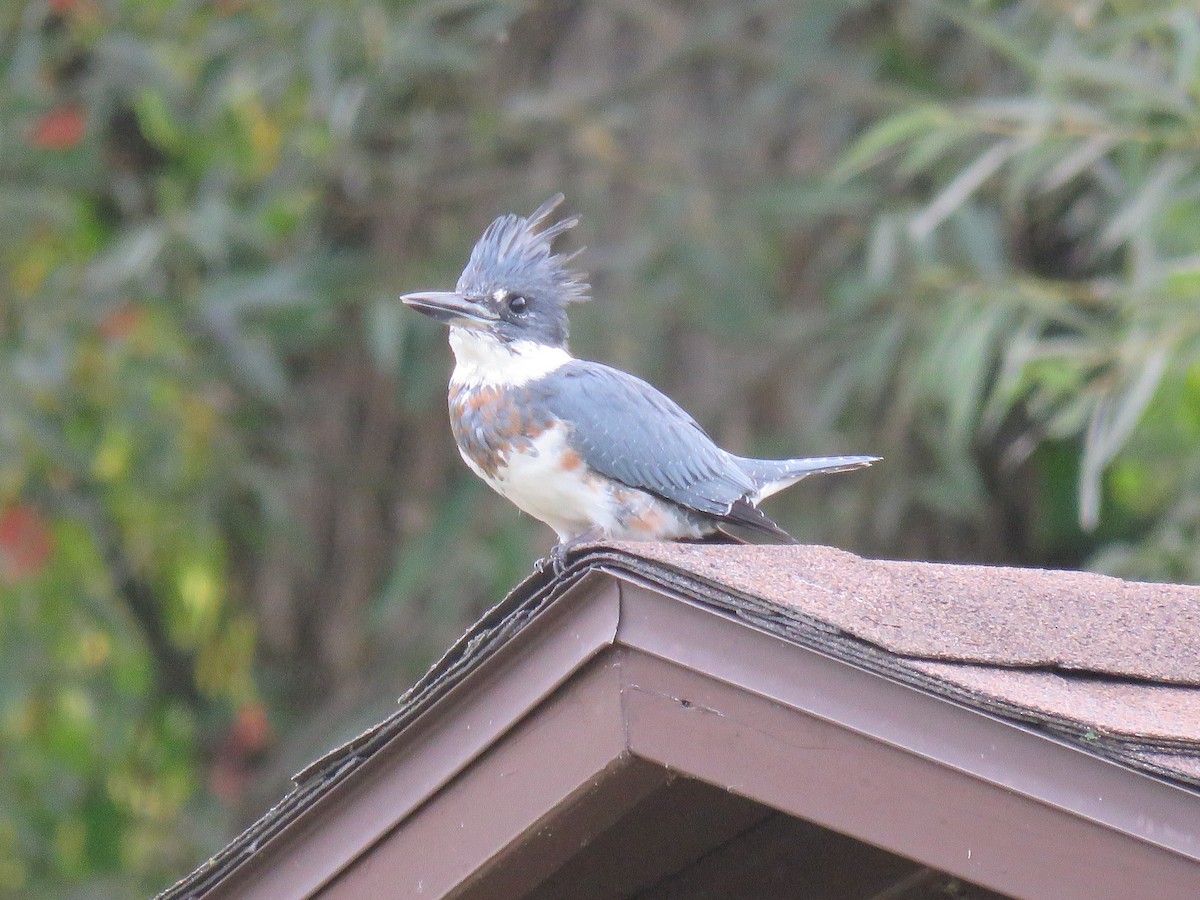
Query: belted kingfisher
[588, 449]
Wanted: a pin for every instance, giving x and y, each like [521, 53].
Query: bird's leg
[557, 558]
[555, 561]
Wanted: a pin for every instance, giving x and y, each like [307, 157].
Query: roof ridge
[993, 615]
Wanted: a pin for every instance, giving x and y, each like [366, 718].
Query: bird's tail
[773, 475]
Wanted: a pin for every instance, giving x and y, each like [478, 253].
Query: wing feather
[626, 429]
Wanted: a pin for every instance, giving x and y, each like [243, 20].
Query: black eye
[517, 304]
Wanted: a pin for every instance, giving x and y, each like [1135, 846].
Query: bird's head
[515, 287]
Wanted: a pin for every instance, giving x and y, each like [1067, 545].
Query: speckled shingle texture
[1091, 653]
[981, 614]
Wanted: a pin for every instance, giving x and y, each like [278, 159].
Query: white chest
[481, 360]
[550, 482]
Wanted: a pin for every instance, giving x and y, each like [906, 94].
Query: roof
[1079, 693]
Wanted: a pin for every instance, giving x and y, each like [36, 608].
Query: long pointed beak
[448, 306]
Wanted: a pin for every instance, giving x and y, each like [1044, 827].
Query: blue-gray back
[626, 429]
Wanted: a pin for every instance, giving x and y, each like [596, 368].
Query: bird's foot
[556, 559]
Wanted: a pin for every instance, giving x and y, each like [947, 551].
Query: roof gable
[875, 649]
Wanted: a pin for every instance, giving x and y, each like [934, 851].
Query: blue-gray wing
[627, 430]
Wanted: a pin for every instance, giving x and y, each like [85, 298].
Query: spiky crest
[513, 254]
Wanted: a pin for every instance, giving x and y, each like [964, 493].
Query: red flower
[25, 542]
[121, 322]
[252, 731]
[78, 9]
[59, 129]
[248, 736]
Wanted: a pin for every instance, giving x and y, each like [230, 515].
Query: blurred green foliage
[1041, 238]
[965, 236]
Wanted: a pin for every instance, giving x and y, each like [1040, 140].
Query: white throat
[482, 360]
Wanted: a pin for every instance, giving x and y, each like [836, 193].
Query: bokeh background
[233, 527]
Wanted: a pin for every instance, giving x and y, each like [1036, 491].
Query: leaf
[1141, 209]
[1085, 155]
[964, 184]
[1002, 38]
[885, 136]
[157, 122]
[132, 258]
[1113, 421]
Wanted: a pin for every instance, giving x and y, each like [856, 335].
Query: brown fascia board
[615, 683]
[981, 797]
[362, 795]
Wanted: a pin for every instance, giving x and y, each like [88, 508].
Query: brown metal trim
[429, 753]
[523, 780]
[985, 799]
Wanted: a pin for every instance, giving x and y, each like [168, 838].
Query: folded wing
[626, 429]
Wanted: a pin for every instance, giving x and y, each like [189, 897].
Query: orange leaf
[59, 129]
[25, 542]
[252, 730]
[121, 322]
[80, 10]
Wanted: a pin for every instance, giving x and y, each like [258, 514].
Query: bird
[594, 452]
